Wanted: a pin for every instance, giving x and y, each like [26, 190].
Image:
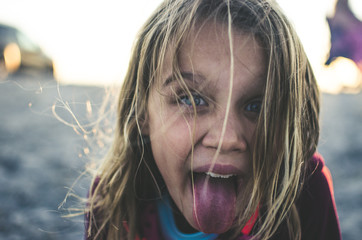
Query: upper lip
[221, 169]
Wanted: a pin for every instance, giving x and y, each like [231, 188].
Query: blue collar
[168, 226]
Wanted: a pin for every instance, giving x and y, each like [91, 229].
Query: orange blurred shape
[342, 75]
[12, 57]
[347, 72]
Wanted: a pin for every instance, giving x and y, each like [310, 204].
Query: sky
[90, 40]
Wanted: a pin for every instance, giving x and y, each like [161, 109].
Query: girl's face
[204, 185]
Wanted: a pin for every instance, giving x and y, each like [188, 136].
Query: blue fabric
[168, 226]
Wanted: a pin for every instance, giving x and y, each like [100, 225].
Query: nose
[232, 137]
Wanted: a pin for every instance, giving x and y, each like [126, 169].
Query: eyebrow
[192, 77]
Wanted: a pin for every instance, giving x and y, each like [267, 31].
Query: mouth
[231, 179]
[219, 172]
[216, 175]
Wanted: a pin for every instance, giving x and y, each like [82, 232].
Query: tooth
[215, 175]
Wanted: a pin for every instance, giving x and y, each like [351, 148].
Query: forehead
[213, 38]
[205, 45]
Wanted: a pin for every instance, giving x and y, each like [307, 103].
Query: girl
[216, 133]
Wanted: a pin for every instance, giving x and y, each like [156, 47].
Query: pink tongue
[214, 207]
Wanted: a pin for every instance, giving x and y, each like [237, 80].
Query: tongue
[214, 207]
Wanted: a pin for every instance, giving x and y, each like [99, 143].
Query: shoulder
[92, 215]
[318, 184]
[316, 203]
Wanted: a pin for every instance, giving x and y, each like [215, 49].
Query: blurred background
[60, 59]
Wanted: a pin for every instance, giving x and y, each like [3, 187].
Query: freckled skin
[173, 128]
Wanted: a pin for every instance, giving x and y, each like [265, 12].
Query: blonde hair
[286, 134]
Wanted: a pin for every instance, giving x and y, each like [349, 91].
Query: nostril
[226, 144]
[229, 136]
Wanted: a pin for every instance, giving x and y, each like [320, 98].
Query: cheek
[249, 131]
[171, 143]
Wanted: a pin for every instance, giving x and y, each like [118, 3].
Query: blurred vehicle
[20, 55]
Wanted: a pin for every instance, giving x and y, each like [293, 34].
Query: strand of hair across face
[227, 110]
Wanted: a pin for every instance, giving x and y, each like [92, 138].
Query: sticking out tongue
[214, 207]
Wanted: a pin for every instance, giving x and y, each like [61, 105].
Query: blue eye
[197, 99]
[254, 107]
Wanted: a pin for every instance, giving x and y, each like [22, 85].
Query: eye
[254, 106]
[198, 100]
